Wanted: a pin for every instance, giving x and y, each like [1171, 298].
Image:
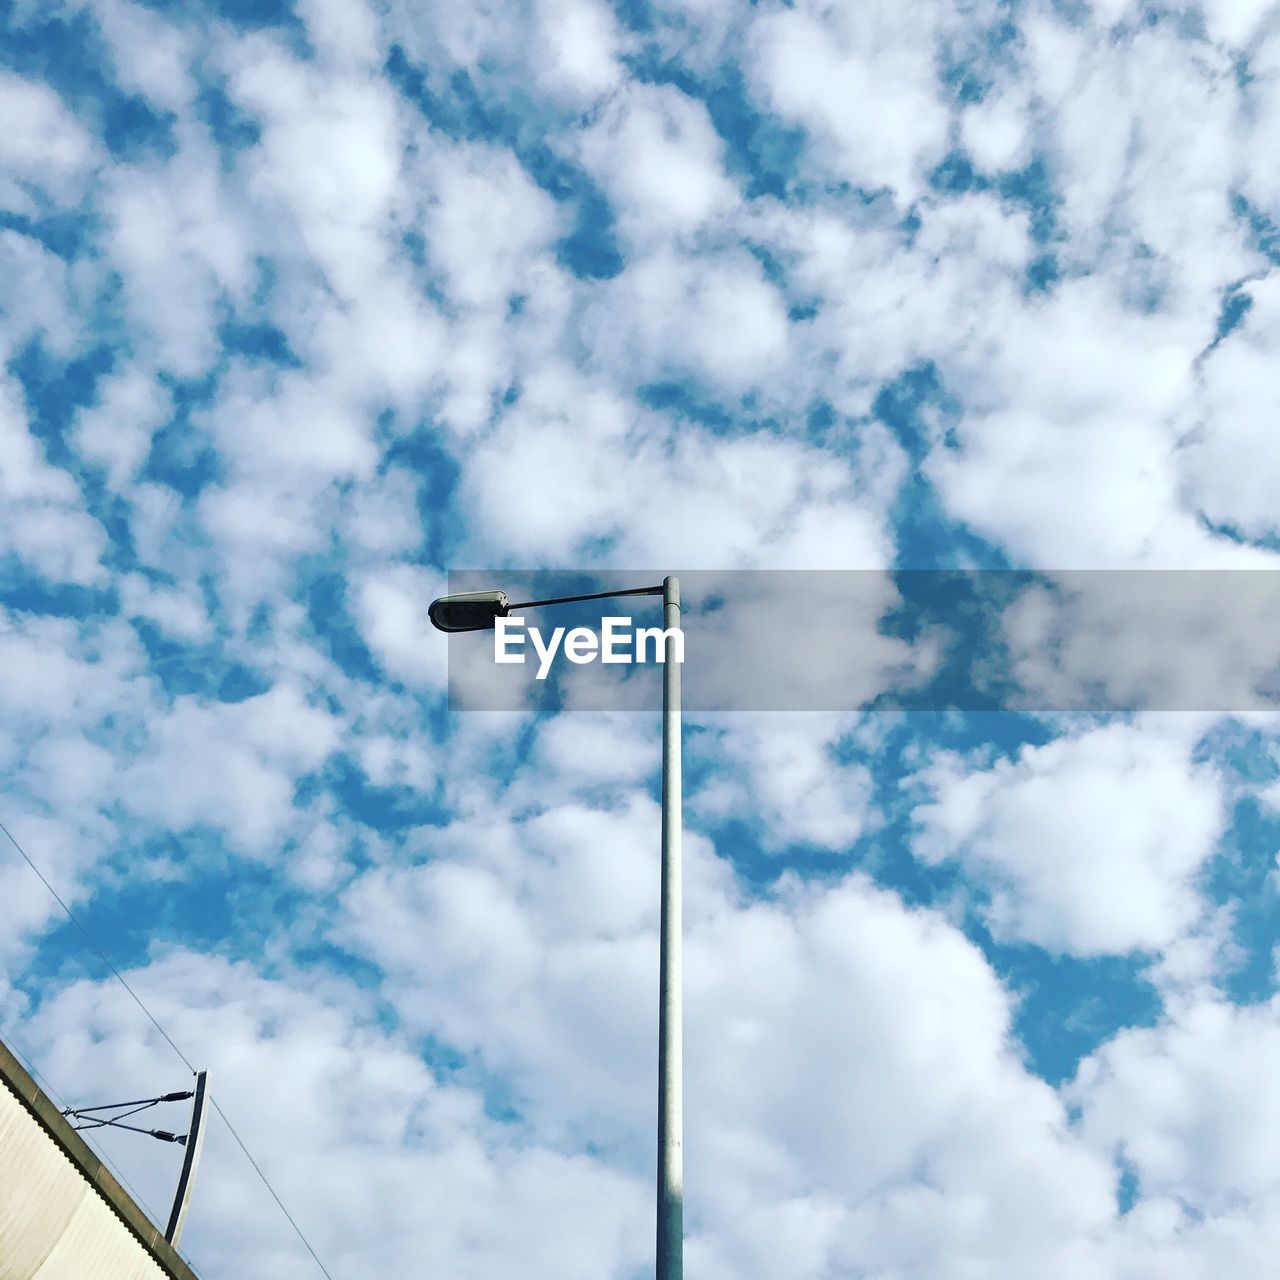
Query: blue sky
[310, 304]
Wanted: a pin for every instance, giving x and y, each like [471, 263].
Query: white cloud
[116, 432]
[382, 514]
[159, 522]
[231, 766]
[1089, 844]
[578, 47]
[68, 690]
[666, 494]
[42, 518]
[485, 222]
[272, 426]
[64, 771]
[884, 306]
[660, 161]
[591, 749]
[1144, 640]
[388, 760]
[390, 606]
[782, 772]
[864, 81]
[1095, 419]
[976, 228]
[40, 297]
[866, 1089]
[1187, 1104]
[345, 31]
[997, 131]
[387, 347]
[178, 613]
[150, 55]
[260, 528]
[328, 162]
[177, 236]
[1237, 407]
[732, 329]
[702, 34]
[1234, 21]
[1146, 140]
[1261, 105]
[51, 152]
[486, 34]
[55, 669]
[65, 848]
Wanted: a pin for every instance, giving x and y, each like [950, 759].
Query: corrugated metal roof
[63, 1216]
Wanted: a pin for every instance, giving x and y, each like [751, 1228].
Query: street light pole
[670, 1255]
[479, 611]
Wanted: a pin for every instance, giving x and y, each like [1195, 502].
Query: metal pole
[187, 1178]
[670, 1256]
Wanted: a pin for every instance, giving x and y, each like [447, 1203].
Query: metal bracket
[192, 1140]
[191, 1159]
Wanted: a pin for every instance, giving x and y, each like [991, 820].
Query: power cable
[101, 954]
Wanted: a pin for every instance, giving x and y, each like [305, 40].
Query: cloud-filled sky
[307, 303]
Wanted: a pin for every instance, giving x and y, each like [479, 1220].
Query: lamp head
[469, 611]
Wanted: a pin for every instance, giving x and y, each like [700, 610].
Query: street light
[479, 611]
[471, 611]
